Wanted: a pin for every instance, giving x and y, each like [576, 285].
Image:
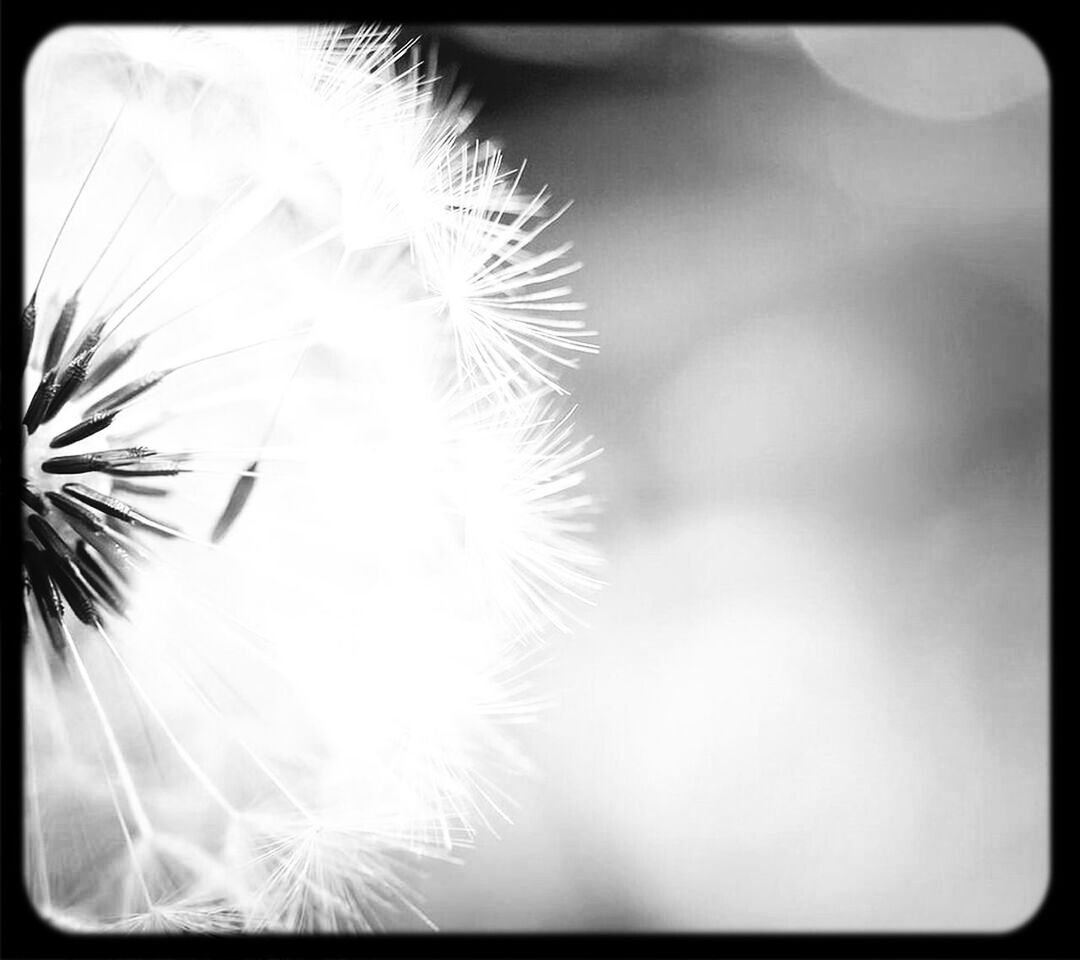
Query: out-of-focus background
[814, 695]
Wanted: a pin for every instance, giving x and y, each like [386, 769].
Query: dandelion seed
[297, 489]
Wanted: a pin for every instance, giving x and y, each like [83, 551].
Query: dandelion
[300, 499]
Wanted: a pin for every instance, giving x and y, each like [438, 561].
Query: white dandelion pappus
[293, 521]
[515, 470]
[507, 319]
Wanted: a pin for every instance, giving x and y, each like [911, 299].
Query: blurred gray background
[814, 694]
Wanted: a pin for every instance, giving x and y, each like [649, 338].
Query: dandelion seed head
[299, 490]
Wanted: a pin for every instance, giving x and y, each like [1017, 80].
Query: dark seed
[127, 392]
[122, 559]
[31, 496]
[79, 463]
[159, 468]
[117, 508]
[59, 335]
[63, 569]
[46, 593]
[237, 499]
[96, 461]
[110, 364]
[72, 508]
[29, 324]
[92, 338]
[73, 375]
[102, 502]
[97, 578]
[81, 431]
[40, 402]
[33, 563]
